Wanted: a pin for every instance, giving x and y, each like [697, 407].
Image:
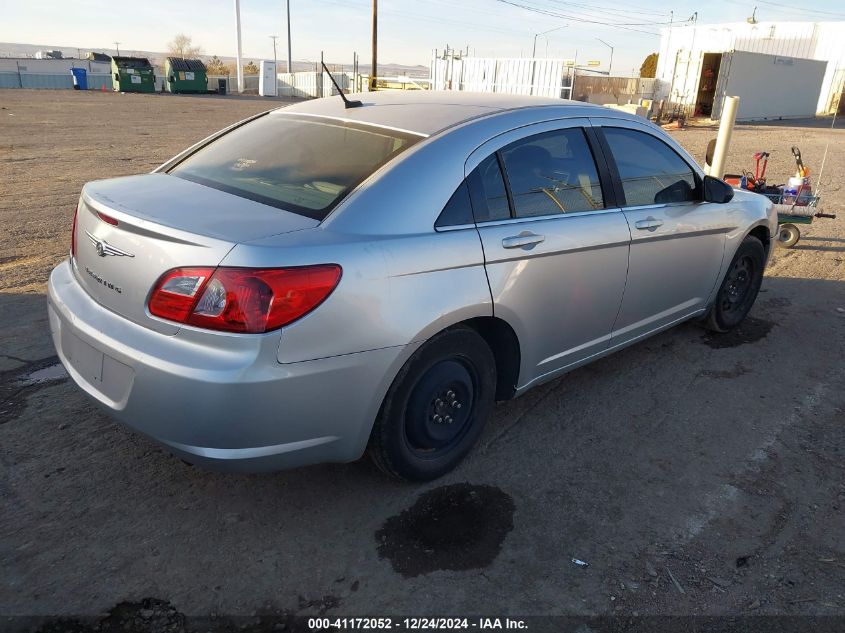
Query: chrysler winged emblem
[104, 248]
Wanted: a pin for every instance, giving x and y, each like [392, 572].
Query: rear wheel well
[504, 344]
[762, 234]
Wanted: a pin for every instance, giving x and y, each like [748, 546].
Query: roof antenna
[346, 102]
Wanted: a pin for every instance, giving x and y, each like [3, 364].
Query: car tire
[739, 288]
[436, 407]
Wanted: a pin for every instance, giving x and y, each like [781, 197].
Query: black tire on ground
[436, 407]
[739, 287]
[788, 235]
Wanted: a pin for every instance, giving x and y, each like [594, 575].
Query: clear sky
[408, 29]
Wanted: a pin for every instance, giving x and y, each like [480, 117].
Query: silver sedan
[318, 281]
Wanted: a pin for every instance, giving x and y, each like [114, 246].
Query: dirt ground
[694, 474]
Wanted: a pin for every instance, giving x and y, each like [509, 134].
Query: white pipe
[723, 140]
[238, 59]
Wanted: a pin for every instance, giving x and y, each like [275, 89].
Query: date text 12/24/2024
[414, 624]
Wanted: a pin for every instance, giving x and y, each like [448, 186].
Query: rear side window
[487, 187]
[458, 210]
[301, 164]
[552, 173]
[650, 170]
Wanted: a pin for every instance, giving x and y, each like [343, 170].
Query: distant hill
[13, 49]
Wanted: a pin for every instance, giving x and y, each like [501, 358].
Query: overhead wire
[627, 26]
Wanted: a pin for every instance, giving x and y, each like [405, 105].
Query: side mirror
[716, 190]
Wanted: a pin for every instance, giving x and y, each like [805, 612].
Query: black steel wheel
[436, 407]
[788, 235]
[739, 288]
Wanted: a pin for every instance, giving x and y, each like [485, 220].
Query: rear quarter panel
[394, 291]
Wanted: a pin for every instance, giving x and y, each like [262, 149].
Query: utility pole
[238, 58]
[374, 70]
[289, 57]
[274, 38]
[660, 55]
[117, 46]
[610, 65]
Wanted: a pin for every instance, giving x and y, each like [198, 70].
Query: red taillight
[107, 218]
[73, 233]
[250, 300]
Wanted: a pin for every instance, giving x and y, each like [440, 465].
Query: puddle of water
[749, 331]
[17, 384]
[455, 527]
[53, 372]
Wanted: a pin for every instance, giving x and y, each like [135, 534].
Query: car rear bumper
[222, 401]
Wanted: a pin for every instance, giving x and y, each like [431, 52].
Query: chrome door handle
[648, 224]
[526, 238]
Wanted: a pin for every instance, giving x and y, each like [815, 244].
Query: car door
[677, 241]
[555, 244]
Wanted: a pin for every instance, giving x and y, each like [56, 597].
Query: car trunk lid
[131, 230]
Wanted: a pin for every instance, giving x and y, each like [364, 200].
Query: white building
[691, 72]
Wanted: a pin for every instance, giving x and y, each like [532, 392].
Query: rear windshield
[297, 163]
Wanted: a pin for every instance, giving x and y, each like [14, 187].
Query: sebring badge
[104, 248]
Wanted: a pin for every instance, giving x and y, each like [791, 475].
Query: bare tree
[182, 46]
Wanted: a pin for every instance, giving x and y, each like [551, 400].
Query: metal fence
[525, 76]
[51, 81]
[313, 85]
[613, 90]
[301, 84]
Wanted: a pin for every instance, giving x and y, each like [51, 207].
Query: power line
[803, 8]
[577, 18]
[627, 26]
[611, 10]
[428, 18]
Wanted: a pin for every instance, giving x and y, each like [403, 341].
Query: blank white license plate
[86, 360]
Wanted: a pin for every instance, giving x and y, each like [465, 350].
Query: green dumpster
[185, 75]
[132, 74]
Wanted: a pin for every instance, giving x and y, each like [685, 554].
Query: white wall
[772, 86]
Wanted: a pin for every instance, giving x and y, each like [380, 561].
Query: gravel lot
[696, 474]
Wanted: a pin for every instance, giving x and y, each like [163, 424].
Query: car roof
[424, 112]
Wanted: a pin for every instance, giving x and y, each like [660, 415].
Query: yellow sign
[593, 63]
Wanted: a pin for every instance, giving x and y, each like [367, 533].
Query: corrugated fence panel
[312, 85]
[545, 77]
[54, 82]
[51, 81]
[479, 75]
[10, 80]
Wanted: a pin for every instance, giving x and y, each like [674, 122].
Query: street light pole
[274, 37]
[289, 58]
[238, 58]
[610, 65]
[117, 46]
[536, 35]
